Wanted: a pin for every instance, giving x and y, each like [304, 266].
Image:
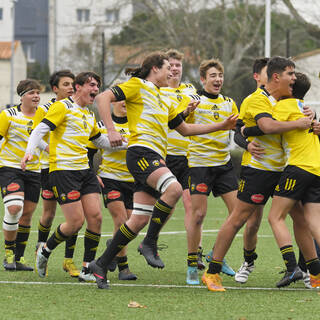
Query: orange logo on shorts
[73, 195]
[257, 198]
[202, 187]
[47, 194]
[113, 195]
[13, 187]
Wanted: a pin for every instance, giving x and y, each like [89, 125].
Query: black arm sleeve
[175, 122]
[117, 91]
[253, 131]
[182, 115]
[91, 153]
[262, 115]
[49, 124]
[240, 140]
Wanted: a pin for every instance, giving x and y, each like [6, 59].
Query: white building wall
[6, 22]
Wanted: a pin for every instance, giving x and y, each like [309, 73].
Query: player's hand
[191, 107]
[27, 157]
[100, 182]
[115, 138]
[304, 123]
[308, 112]
[242, 130]
[47, 148]
[255, 149]
[230, 122]
[316, 127]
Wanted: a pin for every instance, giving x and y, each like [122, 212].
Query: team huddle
[161, 139]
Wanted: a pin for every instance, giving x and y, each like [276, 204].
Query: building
[309, 63]
[6, 21]
[20, 70]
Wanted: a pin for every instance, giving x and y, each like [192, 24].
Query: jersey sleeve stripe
[119, 94]
[262, 115]
[95, 137]
[51, 125]
[175, 122]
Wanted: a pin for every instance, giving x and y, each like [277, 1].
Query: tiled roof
[5, 49]
[306, 54]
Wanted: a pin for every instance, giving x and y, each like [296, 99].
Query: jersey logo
[290, 184]
[216, 116]
[215, 107]
[202, 187]
[84, 119]
[29, 126]
[122, 131]
[257, 198]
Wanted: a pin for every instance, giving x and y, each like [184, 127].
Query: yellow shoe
[9, 263]
[315, 281]
[69, 266]
[212, 281]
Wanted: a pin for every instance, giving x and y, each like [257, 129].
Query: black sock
[56, 238]
[43, 232]
[10, 245]
[250, 256]
[301, 262]
[122, 263]
[121, 238]
[70, 245]
[22, 240]
[161, 212]
[192, 259]
[313, 266]
[289, 257]
[215, 266]
[91, 242]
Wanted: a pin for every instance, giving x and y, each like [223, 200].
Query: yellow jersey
[302, 148]
[211, 149]
[40, 114]
[113, 165]
[256, 105]
[15, 128]
[149, 113]
[181, 96]
[72, 126]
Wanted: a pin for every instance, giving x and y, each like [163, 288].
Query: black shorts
[218, 180]
[15, 180]
[141, 162]
[46, 192]
[298, 184]
[115, 190]
[178, 165]
[257, 186]
[69, 185]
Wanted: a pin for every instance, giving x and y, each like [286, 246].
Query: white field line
[146, 285]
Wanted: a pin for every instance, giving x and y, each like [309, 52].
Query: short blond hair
[207, 64]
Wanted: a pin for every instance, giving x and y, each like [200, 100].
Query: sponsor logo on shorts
[193, 186]
[63, 197]
[13, 187]
[4, 190]
[257, 198]
[113, 195]
[73, 195]
[202, 187]
[47, 194]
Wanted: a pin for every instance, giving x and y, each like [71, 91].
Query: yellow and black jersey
[257, 105]
[113, 165]
[40, 114]
[149, 113]
[211, 149]
[15, 128]
[181, 96]
[72, 126]
[302, 147]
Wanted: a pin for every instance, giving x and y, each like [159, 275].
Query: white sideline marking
[150, 286]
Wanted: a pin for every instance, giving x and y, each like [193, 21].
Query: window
[83, 15]
[112, 15]
[29, 52]
[1, 13]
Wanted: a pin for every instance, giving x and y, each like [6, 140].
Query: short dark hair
[278, 64]
[27, 85]
[259, 64]
[207, 64]
[175, 54]
[301, 86]
[56, 76]
[84, 77]
[155, 59]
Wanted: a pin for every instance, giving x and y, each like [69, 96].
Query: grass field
[163, 292]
